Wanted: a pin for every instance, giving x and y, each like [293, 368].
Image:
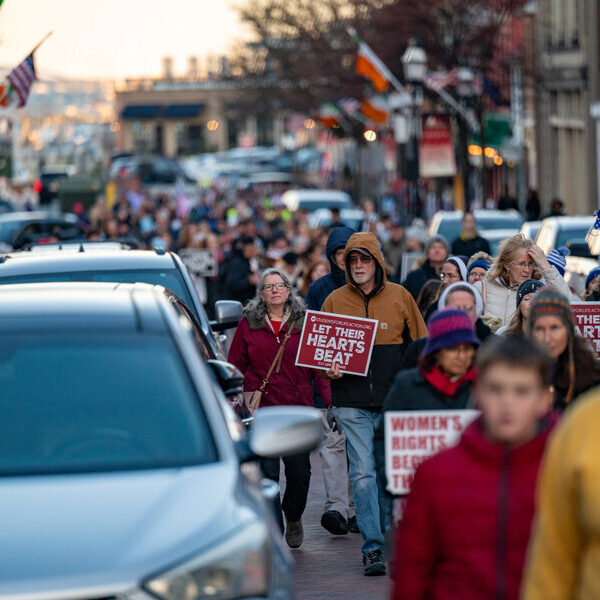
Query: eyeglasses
[273, 286]
[448, 276]
[363, 258]
[523, 265]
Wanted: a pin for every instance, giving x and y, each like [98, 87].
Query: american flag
[593, 235]
[438, 80]
[22, 78]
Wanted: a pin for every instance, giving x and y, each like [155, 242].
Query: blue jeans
[373, 507]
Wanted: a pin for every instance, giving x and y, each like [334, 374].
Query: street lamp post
[465, 91]
[414, 62]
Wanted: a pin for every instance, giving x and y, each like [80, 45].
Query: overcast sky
[115, 38]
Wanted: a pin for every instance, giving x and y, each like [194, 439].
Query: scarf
[445, 384]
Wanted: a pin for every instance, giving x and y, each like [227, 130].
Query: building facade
[568, 72]
[175, 117]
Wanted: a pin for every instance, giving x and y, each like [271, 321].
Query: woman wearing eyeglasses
[518, 260]
[272, 318]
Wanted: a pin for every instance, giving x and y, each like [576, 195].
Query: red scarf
[443, 383]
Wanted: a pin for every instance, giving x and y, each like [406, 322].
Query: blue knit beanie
[482, 264]
[556, 258]
[593, 274]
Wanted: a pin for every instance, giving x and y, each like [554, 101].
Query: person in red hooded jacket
[467, 520]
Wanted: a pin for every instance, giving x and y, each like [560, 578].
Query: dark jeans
[297, 476]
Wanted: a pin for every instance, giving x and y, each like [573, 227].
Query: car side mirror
[228, 376]
[228, 314]
[282, 431]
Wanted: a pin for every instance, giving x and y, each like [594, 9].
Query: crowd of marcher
[461, 329]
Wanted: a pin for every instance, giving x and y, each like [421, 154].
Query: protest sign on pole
[412, 436]
[327, 338]
[201, 263]
[587, 320]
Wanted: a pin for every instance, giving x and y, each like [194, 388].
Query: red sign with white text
[436, 148]
[328, 338]
[412, 436]
[587, 320]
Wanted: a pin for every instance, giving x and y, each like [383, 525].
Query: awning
[141, 111]
[182, 111]
[157, 111]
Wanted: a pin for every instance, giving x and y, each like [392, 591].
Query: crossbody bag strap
[277, 359]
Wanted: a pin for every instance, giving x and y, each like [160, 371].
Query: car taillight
[37, 186]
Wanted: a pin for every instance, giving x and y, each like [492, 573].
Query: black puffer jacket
[416, 279]
[411, 391]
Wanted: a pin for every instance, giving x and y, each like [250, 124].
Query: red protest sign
[413, 436]
[328, 338]
[587, 320]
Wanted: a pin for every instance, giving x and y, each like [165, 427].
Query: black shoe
[352, 525]
[294, 534]
[374, 563]
[333, 521]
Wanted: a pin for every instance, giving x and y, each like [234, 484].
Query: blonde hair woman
[518, 260]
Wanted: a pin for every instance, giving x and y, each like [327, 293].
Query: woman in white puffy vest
[518, 260]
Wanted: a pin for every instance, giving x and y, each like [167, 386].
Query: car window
[312, 205]
[499, 222]
[184, 312]
[575, 233]
[97, 403]
[170, 279]
[8, 229]
[450, 229]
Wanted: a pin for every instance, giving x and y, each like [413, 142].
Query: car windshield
[97, 403]
[450, 228]
[312, 205]
[170, 279]
[8, 229]
[574, 233]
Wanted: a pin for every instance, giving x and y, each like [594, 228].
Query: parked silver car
[121, 463]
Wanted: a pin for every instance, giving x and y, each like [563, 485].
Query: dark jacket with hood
[399, 323]
[416, 279]
[322, 287]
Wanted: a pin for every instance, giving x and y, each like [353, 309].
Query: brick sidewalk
[329, 567]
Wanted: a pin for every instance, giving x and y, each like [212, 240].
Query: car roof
[478, 213]
[566, 222]
[35, 215]
[89, 307]
[316, 195]
[19, 263]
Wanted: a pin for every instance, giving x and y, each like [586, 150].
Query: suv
[155, 267]
[449, 222]
[311, 200]
[563, 231]
[114, 431]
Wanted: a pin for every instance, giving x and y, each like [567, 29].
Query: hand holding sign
[334, 371]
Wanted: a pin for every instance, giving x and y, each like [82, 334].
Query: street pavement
[329, 567]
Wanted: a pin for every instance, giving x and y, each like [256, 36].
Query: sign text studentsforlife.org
[412, 436]
[328, 338]
[587, 320]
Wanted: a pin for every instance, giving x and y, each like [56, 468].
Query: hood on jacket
[366, 241]
[338, 238]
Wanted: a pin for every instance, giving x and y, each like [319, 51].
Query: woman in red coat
[268, 317]
[467, 520]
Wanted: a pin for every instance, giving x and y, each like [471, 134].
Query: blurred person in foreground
[467, 520]
[357, 399]
[518, 260]
[469, 241]
[275, 316]
[519, 323]
[436, 253]
[575, 367]
[339, 515]
[564, 554]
